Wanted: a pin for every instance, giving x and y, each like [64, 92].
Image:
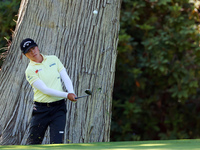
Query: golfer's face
[33, 53]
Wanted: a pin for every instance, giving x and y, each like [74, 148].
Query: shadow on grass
[134, 145]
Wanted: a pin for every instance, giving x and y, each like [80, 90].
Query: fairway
[134, 145]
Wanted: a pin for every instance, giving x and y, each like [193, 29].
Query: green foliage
[157, 78]
[8, 12]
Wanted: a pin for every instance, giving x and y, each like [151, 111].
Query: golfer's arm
[67, 81]
[40, 85]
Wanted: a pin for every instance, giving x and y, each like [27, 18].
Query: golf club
[88, 92]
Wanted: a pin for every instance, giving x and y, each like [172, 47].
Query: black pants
[44, 115]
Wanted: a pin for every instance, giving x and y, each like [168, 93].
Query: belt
[50, 104]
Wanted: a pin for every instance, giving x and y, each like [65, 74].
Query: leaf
[163, 2]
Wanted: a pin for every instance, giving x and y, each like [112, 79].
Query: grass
[134, 145]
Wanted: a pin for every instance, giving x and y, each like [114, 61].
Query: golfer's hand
[71, 97]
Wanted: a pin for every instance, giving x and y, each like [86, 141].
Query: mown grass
[132, 145]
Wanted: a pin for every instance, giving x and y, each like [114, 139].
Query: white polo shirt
[49, 72]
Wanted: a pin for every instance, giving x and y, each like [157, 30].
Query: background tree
[156, 93]
[86, 43]
[142, 109]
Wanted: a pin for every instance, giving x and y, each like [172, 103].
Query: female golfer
[44, 73]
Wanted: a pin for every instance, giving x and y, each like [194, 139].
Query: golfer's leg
[37, 134]
[57, 127]
[39, 124]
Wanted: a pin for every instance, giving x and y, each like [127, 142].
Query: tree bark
[86, 44]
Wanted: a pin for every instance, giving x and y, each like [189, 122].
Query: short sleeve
[31, 76]
[60, 66]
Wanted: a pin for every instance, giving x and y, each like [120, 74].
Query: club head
[88, 91]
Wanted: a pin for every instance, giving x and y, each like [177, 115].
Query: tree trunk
[86, 44]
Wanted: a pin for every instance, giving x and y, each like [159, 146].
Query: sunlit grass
[132, 145]
[152, 144]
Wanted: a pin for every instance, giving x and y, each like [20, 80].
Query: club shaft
[81, 96]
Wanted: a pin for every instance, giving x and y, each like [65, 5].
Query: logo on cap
[27, 43]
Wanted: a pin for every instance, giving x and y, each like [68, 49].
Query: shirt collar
[35, 63]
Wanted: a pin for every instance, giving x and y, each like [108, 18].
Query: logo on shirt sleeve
[29, 77]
